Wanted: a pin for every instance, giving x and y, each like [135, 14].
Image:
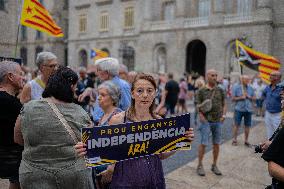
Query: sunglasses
[51, 65]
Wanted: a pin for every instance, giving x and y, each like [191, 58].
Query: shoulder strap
[62, 120]
[40, 82]
[213, 93]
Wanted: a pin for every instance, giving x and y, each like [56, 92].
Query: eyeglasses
[214, 75]
[149, 91]
[103, 95]
[21, 74]
[51, 65]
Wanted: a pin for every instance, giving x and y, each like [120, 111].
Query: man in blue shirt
[108, 69]
[272, 100]
[243, 95]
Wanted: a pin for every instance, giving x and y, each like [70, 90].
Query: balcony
[160, 25]
[175, 24]
[260, 15]
[237, 19]
[195, 22]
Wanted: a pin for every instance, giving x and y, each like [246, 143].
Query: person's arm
[163, 100]
[224, 108]
[199, 100]
[252, 96]
[125, 100]
[235, 97]
[87, 92]
[26, 94]
[264, 145]
[18, 137]
[276, 171]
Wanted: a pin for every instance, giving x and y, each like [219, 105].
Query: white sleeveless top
[36, 89]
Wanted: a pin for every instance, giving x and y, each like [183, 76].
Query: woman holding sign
[144, 172]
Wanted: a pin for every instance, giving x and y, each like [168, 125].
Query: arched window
[2, 5]
[24, 55]
[83, 58]
[38, 50]
[196, 57]
[128, 56]
[160, 58]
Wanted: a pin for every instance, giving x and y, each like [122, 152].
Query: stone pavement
[241, 168]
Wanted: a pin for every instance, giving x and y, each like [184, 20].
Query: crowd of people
[42, 114]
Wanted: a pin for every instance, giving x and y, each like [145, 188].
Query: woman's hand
[190, 134]
[80, 149]
[265, 145]
[87, 92]
[107, 174]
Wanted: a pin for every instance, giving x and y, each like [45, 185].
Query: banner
[17, 60]
[109, 144]
[260, 62]
[36, 16]
[98, 54]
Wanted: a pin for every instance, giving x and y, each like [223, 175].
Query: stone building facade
[30, 41]
[174, 35]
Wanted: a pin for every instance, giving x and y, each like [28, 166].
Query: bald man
[11, 82]
[272, 100]
[211, 120]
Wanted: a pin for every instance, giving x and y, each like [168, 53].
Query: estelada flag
[260, 62]
[34, 15]
[97, 54]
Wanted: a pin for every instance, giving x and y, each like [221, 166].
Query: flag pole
[18, 28]
[239, 66]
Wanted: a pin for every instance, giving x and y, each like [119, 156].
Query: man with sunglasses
[47, 64]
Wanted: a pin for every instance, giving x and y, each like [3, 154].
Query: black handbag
[274, 185]
[10, 159]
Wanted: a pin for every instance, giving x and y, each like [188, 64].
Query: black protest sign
[109, 144]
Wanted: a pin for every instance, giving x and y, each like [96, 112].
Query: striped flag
[97, 54]
[262, 63]
[34, 15]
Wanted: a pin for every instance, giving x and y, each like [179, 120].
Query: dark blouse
[139, 173]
